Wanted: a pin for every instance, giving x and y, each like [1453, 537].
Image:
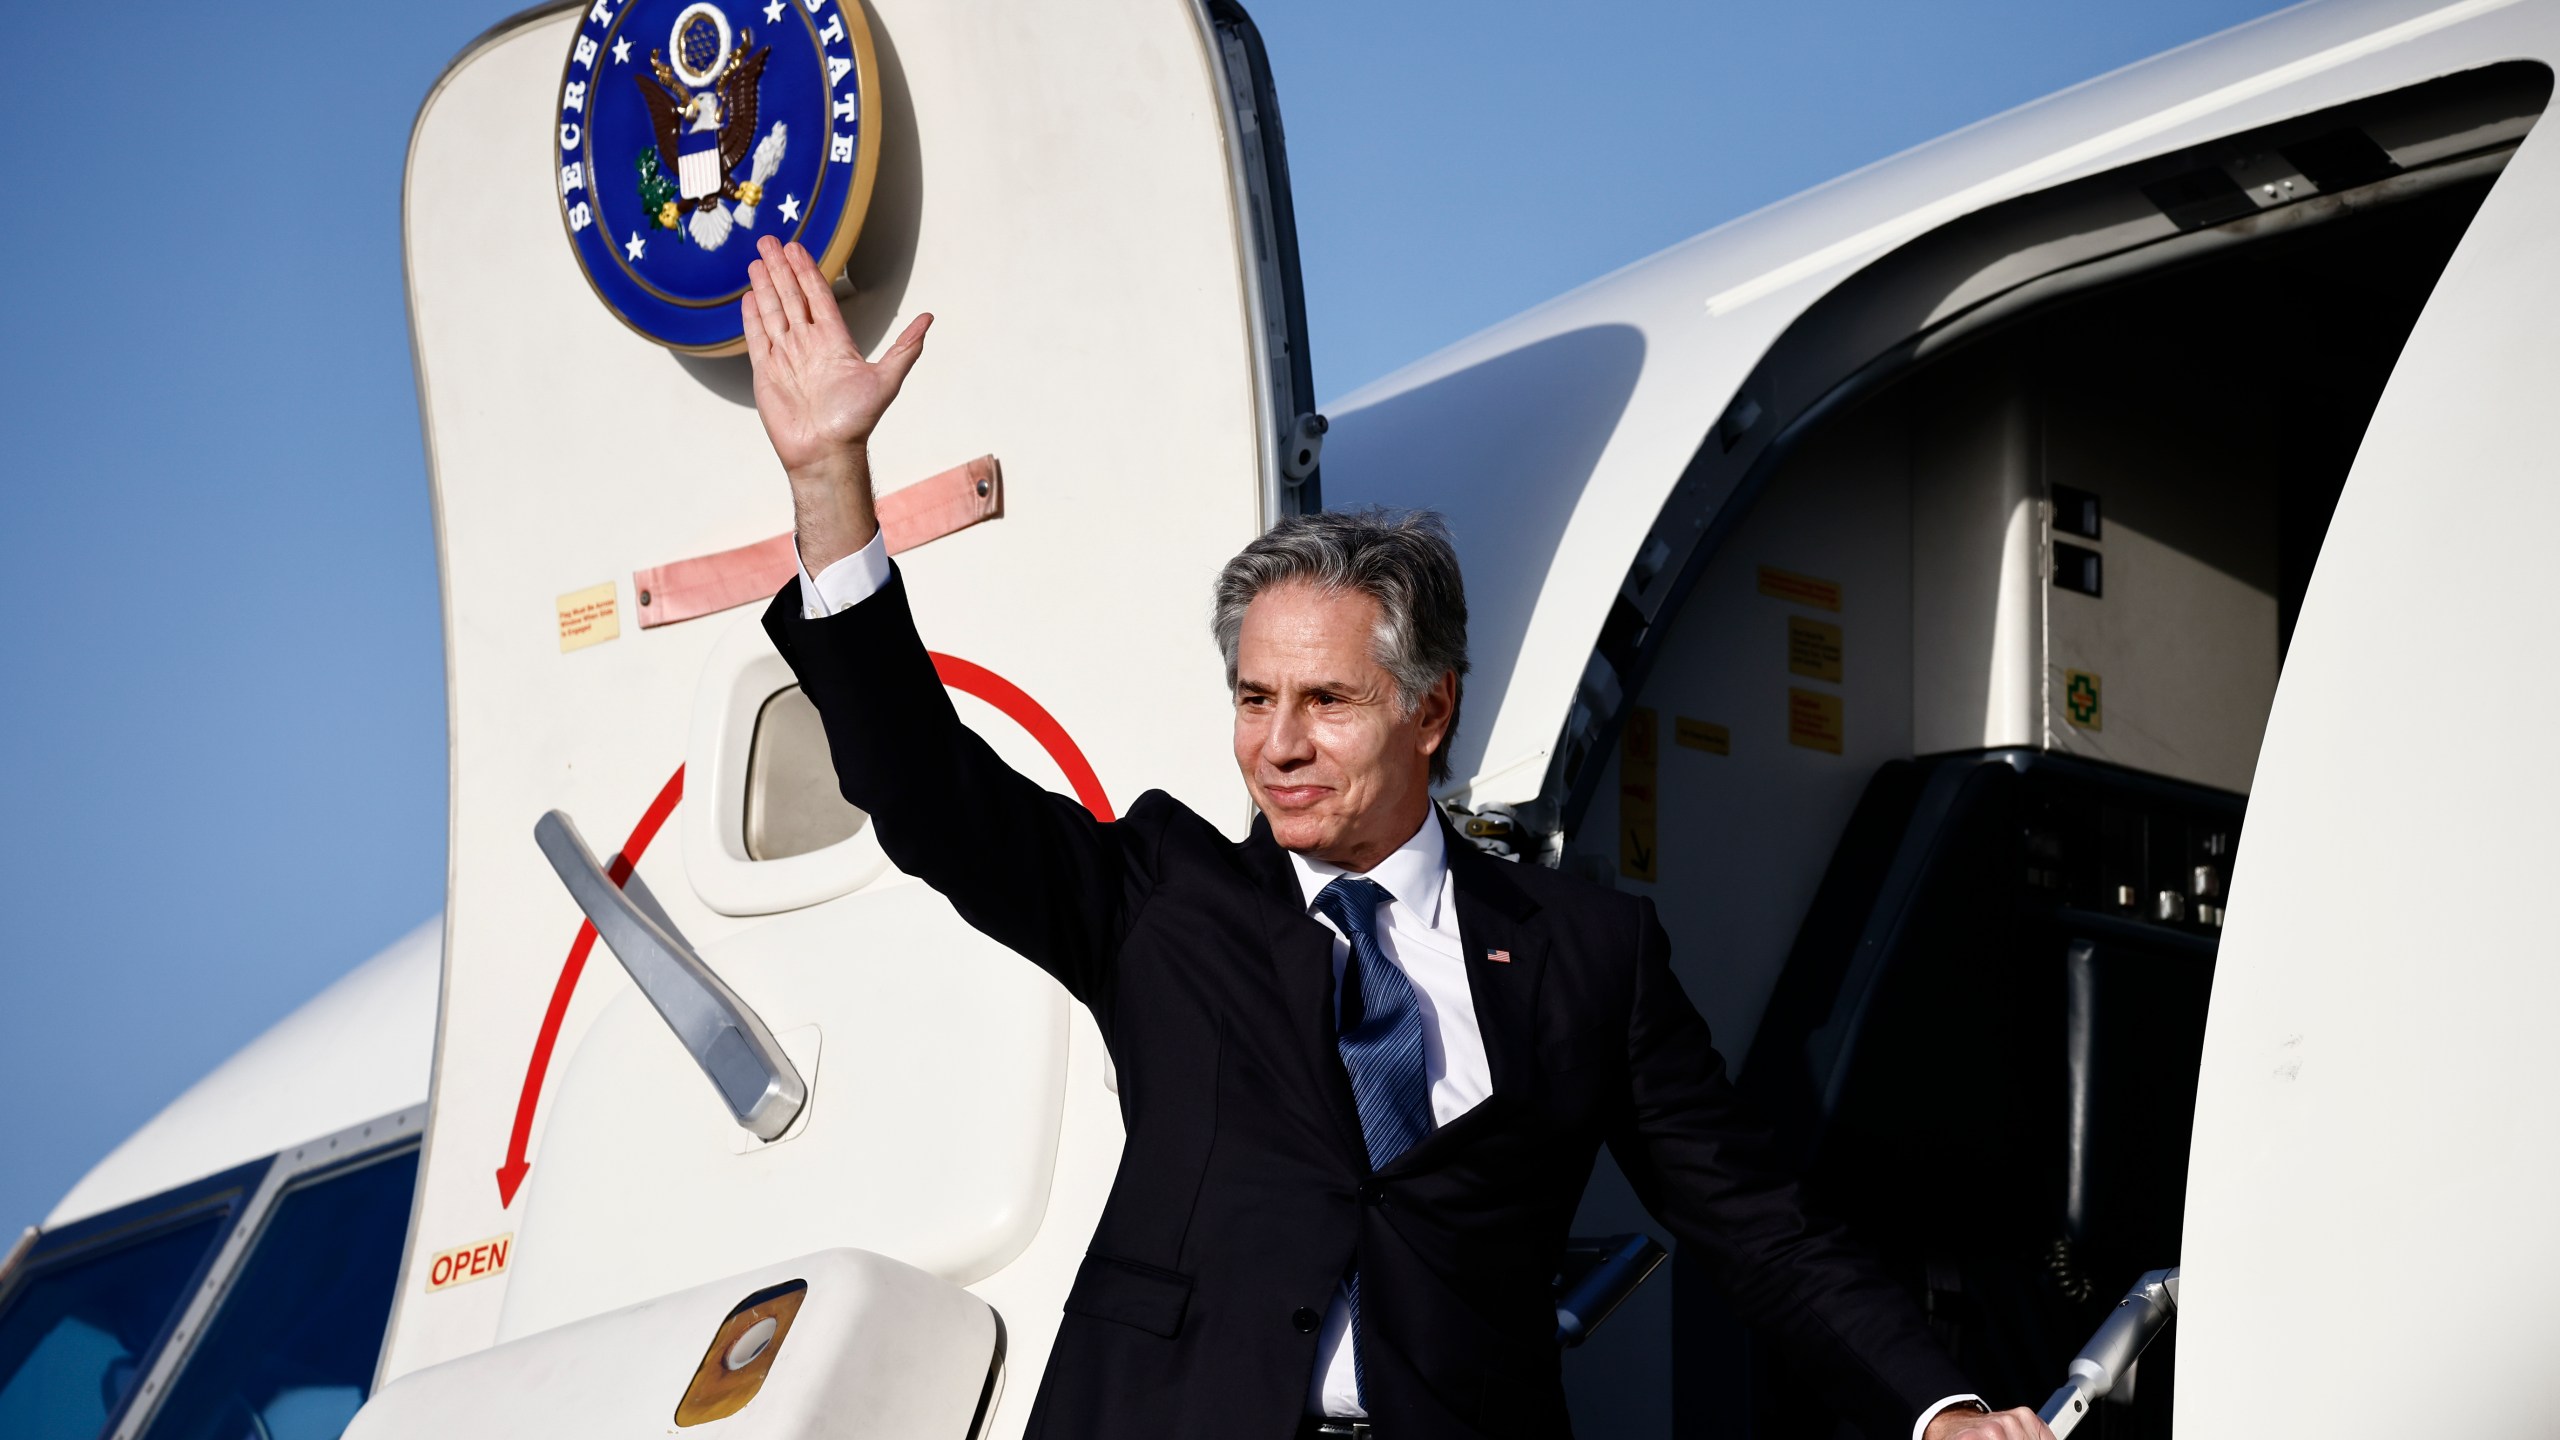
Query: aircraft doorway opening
[1951, 739]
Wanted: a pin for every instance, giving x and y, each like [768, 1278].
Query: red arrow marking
[511, 1174]
[960, 675]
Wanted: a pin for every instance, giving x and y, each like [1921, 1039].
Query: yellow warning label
[1799, 589]
[1638, 746]
[587, 617]
[2080, 700]
[1813, 649]
[1699, 735]
[1813, 720]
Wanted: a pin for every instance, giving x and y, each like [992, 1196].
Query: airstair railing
[2105, 1364]
[1600, 1272]
[759, 1084]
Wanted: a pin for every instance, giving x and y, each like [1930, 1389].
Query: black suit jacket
[1244, 1192]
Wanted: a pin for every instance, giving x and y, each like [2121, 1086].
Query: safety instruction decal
[1637, 747]
[1800, 589]
[2080, 700]
[1699, 735]
[465, 1263]
[1813, 720]
[587, 617]
[1813, 649]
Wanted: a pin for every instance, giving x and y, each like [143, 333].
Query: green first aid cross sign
[2080, 699]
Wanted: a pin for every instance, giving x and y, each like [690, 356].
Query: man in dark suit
[1365, 1069]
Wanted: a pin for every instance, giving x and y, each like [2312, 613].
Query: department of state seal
[687, 128]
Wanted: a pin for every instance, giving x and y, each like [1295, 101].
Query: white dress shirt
[847, 583]
[1421, 937]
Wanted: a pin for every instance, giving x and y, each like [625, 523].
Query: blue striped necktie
[1381, 1043]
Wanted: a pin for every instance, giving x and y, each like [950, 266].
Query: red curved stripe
[957, 673]
[1024, 711]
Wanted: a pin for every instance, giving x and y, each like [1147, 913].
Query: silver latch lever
[758, 1083]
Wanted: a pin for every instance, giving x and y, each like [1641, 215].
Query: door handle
[759, 1084]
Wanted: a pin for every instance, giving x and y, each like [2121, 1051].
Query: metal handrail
[1624, 1262]
[2106, 1362]
[759, 1084]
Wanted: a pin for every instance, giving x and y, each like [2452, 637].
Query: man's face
[1336, 764]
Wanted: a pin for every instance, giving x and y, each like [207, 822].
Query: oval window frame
[742, 674]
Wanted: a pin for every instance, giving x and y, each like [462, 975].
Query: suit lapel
[1302, 954]
[1492, 916]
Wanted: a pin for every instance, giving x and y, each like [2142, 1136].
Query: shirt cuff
[1920, 1427]
[845, 584]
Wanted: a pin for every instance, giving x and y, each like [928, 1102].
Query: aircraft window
[290, 1355]
[73, 1339]
[793, 805]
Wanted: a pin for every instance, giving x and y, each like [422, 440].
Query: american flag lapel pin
[1498, 957]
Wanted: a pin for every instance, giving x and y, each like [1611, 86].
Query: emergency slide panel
[874, 1349]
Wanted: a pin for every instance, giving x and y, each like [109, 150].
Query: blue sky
[221, 692]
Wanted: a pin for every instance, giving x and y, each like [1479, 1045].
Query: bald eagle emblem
[701, 93]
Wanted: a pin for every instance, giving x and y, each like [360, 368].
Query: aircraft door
[2374, 1161]
[1092, 200]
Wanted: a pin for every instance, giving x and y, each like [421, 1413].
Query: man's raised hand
[818, 397]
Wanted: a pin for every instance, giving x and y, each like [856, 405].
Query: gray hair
[1401, 559]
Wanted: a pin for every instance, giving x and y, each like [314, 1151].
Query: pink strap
[910, 516]
[951, 501]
